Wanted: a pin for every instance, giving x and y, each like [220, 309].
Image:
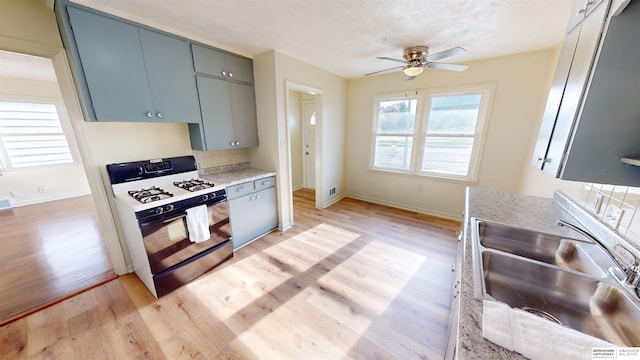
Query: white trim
[303, 125]
[51, 198]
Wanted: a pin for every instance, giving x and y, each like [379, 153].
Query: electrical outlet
[596, 204]
[15, 194]
[42, 189]
[612, 216]
[420, 187]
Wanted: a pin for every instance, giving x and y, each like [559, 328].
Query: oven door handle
[160, 222]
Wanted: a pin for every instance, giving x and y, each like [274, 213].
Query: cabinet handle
[543, 159]
[258, 197]
[224, 73]
[160, 115]
[149, 114]
[232, 143]
[230, 74]
[237, 143]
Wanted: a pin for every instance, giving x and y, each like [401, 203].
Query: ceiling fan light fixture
[413, 71]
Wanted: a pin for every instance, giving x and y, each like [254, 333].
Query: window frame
[67, 131]
[375, 133]
[424, 98]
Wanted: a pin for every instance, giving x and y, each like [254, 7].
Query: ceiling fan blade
[446, 53]
[392, 59]
[393, 68]
[407, 77]
[444, 66]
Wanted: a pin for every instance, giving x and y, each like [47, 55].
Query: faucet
[631, 273]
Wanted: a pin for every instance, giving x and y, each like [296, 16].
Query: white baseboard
[405, 207]
[50, 198]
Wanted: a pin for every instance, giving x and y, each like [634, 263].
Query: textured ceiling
[342, 36]
[345, 36]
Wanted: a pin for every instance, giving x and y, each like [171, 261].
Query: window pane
[450, 156]
[454, 114]
[393, 152]
[397, 116]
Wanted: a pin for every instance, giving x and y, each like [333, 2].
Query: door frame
[294, 86]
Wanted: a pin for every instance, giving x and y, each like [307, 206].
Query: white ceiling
[345, 36]
[341, 36]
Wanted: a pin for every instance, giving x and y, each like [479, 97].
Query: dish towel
[198, 224]
[535, 337]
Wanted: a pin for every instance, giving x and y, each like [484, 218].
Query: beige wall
[521, 82]
[60, 181]
[272, 70]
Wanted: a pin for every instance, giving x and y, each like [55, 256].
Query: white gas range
[176, 225]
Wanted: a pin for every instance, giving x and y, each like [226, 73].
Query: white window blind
[31, 135]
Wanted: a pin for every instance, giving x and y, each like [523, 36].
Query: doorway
[52, 245]
[304, 105]
[302, 119]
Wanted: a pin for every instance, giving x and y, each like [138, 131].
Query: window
[31, 135]
[437, 133]
[395, 133]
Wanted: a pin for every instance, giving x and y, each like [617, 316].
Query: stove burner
[193, 184]
[150, 194]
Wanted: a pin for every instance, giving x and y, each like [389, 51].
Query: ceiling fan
[417, 58]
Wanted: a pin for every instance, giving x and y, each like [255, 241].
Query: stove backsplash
[211, 159]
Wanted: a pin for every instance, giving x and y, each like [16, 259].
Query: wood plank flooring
[354, 281]
[49, 251]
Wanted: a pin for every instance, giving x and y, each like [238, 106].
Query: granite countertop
[235, 176]
[531, 212]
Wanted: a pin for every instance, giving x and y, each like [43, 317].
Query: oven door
[167, 241]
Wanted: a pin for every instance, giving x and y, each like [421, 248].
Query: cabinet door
[216, 112]
[113, 64]
[243, 110]
[609, 123]
[581, 64]
[208, 61]
[239, 69]
[540, 159]
[170, 75]
[253, 215]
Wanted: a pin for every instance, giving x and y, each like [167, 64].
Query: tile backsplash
[208, 159]
[613, 196]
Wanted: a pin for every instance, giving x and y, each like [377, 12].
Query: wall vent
[5, 203]
[332, 191]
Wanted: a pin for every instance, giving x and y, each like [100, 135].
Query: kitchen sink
[583, 303]
[573, 254]
[564, 280]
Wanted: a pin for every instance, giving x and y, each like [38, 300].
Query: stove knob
[205, 197]
[158, 210]
[168, 207]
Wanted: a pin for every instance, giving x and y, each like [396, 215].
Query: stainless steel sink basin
[573, 254]
[582, 302]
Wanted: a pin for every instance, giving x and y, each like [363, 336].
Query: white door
[309, 143]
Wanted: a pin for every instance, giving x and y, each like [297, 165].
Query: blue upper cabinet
[129, 73]
[227, 101]
[209, 61]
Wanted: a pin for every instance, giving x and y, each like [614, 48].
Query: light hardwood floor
[48, 252]
[354, 281]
